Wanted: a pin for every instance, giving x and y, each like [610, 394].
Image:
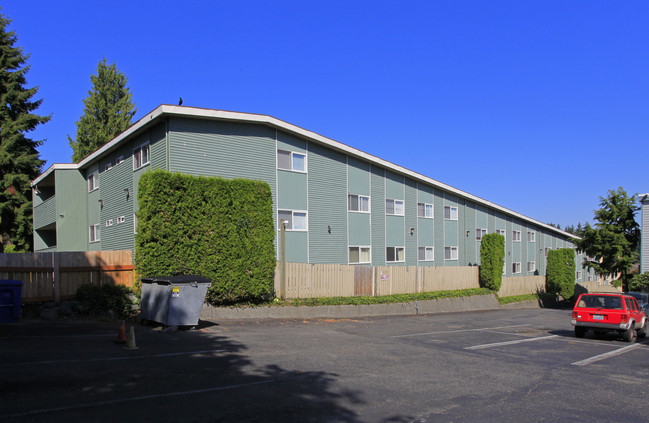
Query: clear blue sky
[538, 106]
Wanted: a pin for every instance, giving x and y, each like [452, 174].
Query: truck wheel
[642, 332]
[627, 335]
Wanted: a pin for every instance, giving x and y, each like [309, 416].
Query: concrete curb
[447, 305]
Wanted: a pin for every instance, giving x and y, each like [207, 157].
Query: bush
[99, 300]
[218, 228]
[560, 276]
[492, 256]
[639, 282]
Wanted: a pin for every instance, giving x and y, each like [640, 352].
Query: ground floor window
[450, 253]
[93, 233]
[426, 254]
[359, 255]
[516, 267]
[294, 220]
[531, 266]
[395, 254]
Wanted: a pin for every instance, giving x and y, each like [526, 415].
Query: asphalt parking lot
[504, 365]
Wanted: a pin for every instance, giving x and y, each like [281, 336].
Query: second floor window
[394, 207]
[290, 160]
[358, 203]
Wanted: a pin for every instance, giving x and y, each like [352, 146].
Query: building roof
[166, 110]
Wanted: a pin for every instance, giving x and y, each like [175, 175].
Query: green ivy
[560, 275]
[218, 228]
[492, 260]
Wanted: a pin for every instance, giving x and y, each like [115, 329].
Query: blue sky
[540, 107]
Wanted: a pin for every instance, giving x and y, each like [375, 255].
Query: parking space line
[517, 341]
[140, 398]
[609, 354]
[456, 331]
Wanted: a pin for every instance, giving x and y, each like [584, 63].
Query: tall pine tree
[107, 111]
[19, 159]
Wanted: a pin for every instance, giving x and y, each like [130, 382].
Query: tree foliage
[492, 260]
[611, 244]
[560, 277]
[639, 282]
[107, 112]
[19, 159]
[218, 228]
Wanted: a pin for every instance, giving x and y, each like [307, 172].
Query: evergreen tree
[107, 111]
[19, 159]
[611, 244]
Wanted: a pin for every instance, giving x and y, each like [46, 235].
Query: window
[395, 254]
[426, 254]
[516, 267]
[141, 156]
[531, 236]
[121, 219]
[108, 166]
[479, 233]
[134, 223]
[290, 160]
[93, 233]
[578, 274]
[394, 207]
[450, 253]
[547, 250]
[425, 210]
[109, 222]
[531, 266]
[450, 213]
[359, 255]
[296, 220]
[119, 160]
[93, 181]
[516, 236]
[358, 203]
[502, 232]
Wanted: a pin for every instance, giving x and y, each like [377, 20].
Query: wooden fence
[55, 276]
[338, 280]
[521, 285]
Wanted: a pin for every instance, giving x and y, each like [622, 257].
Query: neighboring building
[342, 204]
[644, 233]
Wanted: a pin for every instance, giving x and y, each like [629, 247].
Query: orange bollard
[121, 335]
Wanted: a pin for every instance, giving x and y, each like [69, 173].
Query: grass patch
[386, 299]
[518, 298]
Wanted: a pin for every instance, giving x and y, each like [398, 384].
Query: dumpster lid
[10, 282]
[178, 279]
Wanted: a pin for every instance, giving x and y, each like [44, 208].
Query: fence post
[57, 277]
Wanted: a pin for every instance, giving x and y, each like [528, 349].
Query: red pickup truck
[605, 312]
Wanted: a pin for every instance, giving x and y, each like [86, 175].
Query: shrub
[99, 300]
[492, 256]
[218, 228]
[639, 282]
[560, 276]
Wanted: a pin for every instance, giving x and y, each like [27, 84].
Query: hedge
[218, 228]
[560, 275]
[492, 261]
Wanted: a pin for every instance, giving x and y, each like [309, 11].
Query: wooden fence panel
[363, 281]
[448, 278]
[521, 285]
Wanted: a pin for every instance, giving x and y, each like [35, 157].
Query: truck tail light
[574, 314]
[624, 317]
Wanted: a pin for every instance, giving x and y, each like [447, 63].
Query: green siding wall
[327, 205]
[358, 177]
[291, 190]
[72, 221]
[378, 216]
[359, 229]
[411, 222]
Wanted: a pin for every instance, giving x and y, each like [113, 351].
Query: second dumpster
[173, 300]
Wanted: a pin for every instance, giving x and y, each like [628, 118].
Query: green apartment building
[342, 205]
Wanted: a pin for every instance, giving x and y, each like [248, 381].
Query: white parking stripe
[606, 355]
[456, 331]
[518, 341]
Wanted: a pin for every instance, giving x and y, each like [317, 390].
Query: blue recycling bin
[10, 291]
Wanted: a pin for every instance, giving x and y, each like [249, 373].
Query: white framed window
[108, 166]
[394, 207]
[93, 181]
[291, 160]
[502, 232]
[119, 160]
[547, 250]
[516, 236]
[121, 219]
[450, 213]
[531, 266]
[134, 223]
[141, 156]
[531, 236]
[450, 253]
[395, 254]
[516, 267]
[93, 233]
[359, 203]
[359, 255]
[109, 223]
[296, 220]
[426, 253]
[425, 210]
[479, 233]
[578, 274]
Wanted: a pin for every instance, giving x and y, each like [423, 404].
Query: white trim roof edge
[194, 112]
[52, 168]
